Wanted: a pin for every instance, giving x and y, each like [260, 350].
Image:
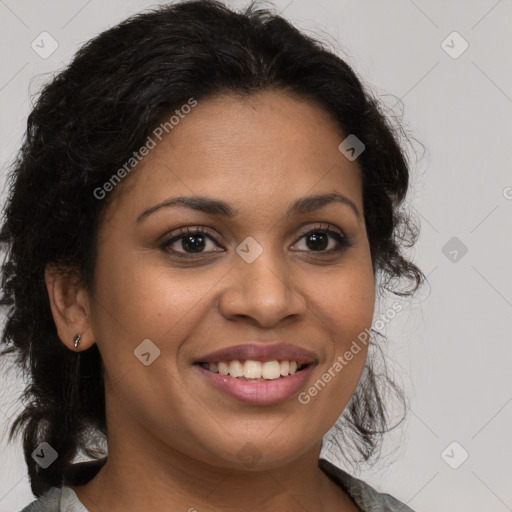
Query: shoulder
[365, 496]
[56, 500]
[64, 499]
[48, 502]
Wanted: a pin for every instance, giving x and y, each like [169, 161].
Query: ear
[69, 302]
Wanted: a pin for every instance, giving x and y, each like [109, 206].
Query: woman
[203, 212]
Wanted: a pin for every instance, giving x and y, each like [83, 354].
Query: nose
[265, 291]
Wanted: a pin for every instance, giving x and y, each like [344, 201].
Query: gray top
[366, 498]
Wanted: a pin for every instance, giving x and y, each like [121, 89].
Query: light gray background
[451, 347]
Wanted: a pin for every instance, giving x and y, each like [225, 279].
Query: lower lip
[258, 392]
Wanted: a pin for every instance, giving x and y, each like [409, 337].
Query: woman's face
[252, 277]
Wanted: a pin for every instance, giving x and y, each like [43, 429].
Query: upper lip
[260, 352]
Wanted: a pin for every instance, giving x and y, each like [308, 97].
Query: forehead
[266, 148]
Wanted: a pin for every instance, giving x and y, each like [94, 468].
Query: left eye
[318, 240]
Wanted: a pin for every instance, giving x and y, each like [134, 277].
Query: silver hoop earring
[77, 339]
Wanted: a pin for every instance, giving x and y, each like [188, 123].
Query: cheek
[137, 301]
[148, 299]
[345, 301]
[344, 305]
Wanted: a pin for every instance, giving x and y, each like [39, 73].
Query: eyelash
[342, 240]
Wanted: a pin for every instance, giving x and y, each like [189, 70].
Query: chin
[259, 453]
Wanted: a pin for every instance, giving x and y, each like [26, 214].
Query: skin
[173, 438]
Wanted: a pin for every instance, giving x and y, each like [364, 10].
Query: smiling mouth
[255, 371]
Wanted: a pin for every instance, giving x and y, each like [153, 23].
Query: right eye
[192, 241]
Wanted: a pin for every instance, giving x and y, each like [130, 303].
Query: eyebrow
[212, 206]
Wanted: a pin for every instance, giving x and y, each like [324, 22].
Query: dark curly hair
[88, 120]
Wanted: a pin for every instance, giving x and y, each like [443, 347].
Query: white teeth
[252, 369]
[236, 368]
[269, 370]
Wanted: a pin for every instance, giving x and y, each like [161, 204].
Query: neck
[155, 479]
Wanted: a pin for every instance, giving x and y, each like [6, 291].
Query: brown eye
[192, 241]
[319, 240]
